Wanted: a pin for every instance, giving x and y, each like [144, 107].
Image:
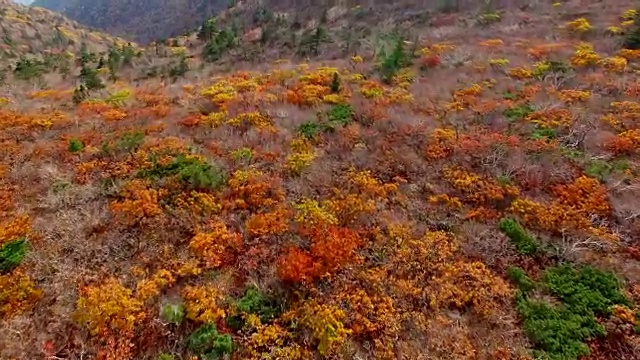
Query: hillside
[142, 21]
[33, 31]
[365, 183]
[151, 20]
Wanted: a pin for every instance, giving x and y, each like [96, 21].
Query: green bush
[601, 169]
[75, 145]
[193, 172]
[341, 114]
[335, 83]
[558, 333]
[543, 133]
[130, 141]
[12, 254]
[390, 64]
[561, 331]
[253, 302]
[525, 243]
[518, 112]
[165, 356]
[256, 302]
[172, 313]
[27, 69]
[585, 290]
[520, 278]
[309, 129]
[632, 39]
[208, 343]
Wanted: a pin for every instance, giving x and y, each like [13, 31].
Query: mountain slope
[140, 20]
[33, 30]
[372, 184]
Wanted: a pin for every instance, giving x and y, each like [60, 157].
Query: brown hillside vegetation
[36, 31]
[442, 185]
[151, 20]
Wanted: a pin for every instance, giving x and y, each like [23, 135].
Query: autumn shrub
[203, 303]
[190, 170]
[109, 306]
[326, 325]
[212, 245]
[524, 243]
[18, 293]
[12, 254]
[206, 342]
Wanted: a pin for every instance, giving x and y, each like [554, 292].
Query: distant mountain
[141, 20]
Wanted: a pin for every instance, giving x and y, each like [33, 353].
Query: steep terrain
[143, 21]
[151, 20]
[365, 183]
[31, 30]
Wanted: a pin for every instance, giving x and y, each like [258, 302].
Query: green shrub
[208, 343]
[243, 154]
[90, 79]
[390, 64]
[341, 114]
[557, 333]
[601, 170]
[130, 141]
[335, 83]
[525, 243]
[253, 302]
[561, 331]
[632, 39]
[256, 302]
[518, 112]
[520, 278]
[543, 133]
[585, 290]
[75, 145]
[193, 172]
[165, 356]
[172, 313]
[489, 18]
[27, 69]
[309, 129]
[12, 254]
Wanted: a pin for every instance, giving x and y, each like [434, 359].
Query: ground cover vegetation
[462, 184]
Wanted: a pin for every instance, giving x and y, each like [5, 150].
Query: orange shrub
[275, 222]
[139, 203]
[109, 306]
[16, 228]
[17, 294]
[211, 245]
[296, 265]
[202, 303]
